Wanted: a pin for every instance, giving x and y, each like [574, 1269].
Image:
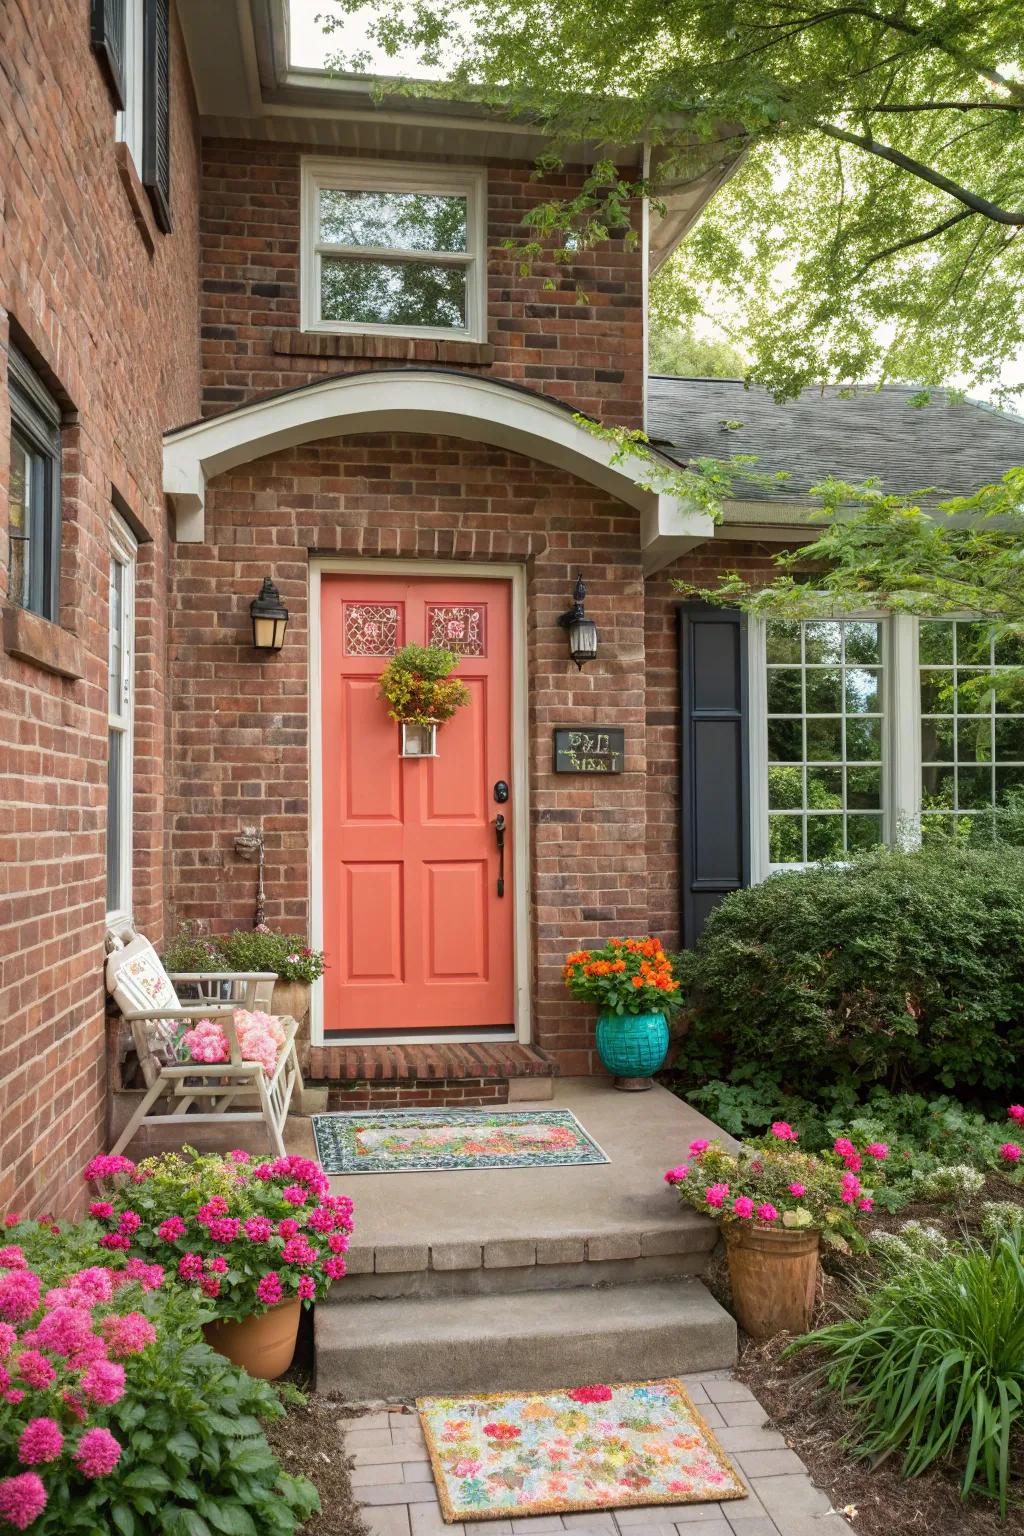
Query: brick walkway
[393, 1482]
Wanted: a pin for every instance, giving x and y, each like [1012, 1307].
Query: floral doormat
[599, 1447]
[431, 1140]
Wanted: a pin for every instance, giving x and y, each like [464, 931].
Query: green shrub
[934, 1370]
[902, 967]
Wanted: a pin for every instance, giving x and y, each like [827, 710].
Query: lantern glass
[269, 618]
[582, 641]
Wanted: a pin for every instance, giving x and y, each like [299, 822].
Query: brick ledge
[401, 349]
[42, 644]
[381, 1064]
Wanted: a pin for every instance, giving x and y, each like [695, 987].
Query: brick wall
[107, 310]
[589, 354]
[240, 748]
[702, 565]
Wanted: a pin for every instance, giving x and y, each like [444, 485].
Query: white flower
[293, 959]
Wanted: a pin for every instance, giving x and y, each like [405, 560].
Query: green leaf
[123, 1519]
[230, 1518]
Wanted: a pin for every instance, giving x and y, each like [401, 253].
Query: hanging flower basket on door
[418, 687]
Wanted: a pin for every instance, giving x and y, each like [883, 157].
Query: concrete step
[398, 1350]
[669, 1245]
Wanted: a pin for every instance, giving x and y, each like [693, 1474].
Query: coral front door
[417, 931]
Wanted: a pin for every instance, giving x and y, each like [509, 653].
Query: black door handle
[499, 830]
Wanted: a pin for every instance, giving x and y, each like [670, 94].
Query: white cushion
[137, 981]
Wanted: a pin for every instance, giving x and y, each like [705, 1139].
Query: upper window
[131, 38]
[129, 123]
[393, 249]
[34, 495]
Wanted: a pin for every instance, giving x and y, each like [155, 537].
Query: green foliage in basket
[288, 955]
[418, 688]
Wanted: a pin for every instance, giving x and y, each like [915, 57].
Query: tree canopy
[873, 226]
[679, 350]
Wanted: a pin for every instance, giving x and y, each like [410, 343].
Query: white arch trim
[418, 400]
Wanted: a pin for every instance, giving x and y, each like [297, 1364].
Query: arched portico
[419, 400]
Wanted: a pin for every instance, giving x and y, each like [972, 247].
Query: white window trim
[128, 125]
[901, 770]
[124, 550]
[375, 176]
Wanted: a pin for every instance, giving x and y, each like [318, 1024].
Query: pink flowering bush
[243, 1233]
[771, 1182]
[115, 1415]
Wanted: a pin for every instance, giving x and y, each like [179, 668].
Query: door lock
[501, 791]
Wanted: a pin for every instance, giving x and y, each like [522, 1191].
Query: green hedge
[904, 968]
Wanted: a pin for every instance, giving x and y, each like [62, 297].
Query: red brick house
[257, 325]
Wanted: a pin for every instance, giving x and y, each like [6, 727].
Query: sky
[310, 47]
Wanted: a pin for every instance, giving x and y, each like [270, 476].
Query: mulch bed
[814, 1421]
[308, 1441]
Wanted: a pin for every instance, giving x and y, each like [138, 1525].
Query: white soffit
[416, 400]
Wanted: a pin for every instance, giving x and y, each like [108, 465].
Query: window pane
[412, 221]
[974, 789]
[974, 739]
[823, 642]
[785, 839]
[824, 691]
[1009, 649]
[864, 789]
[782, 640]
[825, 788]
[785, 741]
[115, 840]
[824, 741]
[785, 789]
[824, 837]
[973, 646]
[934, 642]
[1010, 740]
[392, 293]
[937, 741]
[1008, 781]
[20, 522]
[938, 789]
[864, 740]
[936, 693]
[863, 832]
[114, 668]
[863, 644]
[784, 691]
[861, 691]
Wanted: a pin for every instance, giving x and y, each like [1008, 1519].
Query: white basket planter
[418, 740]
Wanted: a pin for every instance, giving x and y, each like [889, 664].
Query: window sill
[405, 349]
[138, 197]
[42, 644]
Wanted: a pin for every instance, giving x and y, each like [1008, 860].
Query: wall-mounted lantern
[269, 618]
[582, 631]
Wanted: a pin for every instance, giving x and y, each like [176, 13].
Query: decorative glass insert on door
[371, 629]
[824, 695]
[459, 629]
[972, 724]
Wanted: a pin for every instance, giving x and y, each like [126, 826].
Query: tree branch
[948, 106]
[902, 245]
[971, 200]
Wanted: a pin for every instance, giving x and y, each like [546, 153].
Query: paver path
[393, 1482]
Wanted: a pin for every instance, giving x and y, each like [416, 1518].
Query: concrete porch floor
[621, 1208]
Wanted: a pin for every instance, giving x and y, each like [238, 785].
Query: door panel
[415, 933]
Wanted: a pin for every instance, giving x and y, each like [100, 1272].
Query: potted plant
[633, 984]
[296, 964]
[420, 692]
[257, 1240]
[774, 1206]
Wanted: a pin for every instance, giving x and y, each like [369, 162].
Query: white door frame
[454, 570]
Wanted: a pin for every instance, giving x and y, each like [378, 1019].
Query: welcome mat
[431, 1140]
[599, 1447]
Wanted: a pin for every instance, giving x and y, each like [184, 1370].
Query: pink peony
[130, 1222]
[128, 1335]
[288, 1227]
[853, 1162]
[297, 1250]
[715, 1195]
[97, 1453]
[743, 1206]
[103, 1382]
[14, 1395]
[1016, 1112]
[259, 1229]
[224, 1229]
[190, 1266]
[673, 1176]
[106, 1167]
[263, 1172]
[294, 1194]
[63, 1331]
[19, 1294]
[218, 1264]
[210, 1286]
[797, 1190]
[843, 1146]
[238, 1156]
[865, 1203]
[269, 1290]
[149, 1276]
[697, 1147]
[321, 1219]
[1010, 1152]
[94, 1284]
[170, 1230]
[338, 1242]
[879, 1150]
[306, 1288]
[22, 1499]
[34, 1369]
[334, 1268]
[8, 1339]
[115, 1240]
[767, 1212]
[13, 1257]
[102, 1210]
[784, 1131]
[40, 1440]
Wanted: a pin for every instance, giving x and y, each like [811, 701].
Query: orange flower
[638, 981]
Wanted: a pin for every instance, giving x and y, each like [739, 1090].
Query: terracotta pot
[263, 1344]
[774, 1275]
[290, 1000]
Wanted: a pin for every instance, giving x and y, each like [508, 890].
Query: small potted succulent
[256, 1239]
[633, 984]
[774, 1206]
[418, 687]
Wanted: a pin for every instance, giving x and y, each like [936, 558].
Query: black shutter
[106, 31]
[715, 797]
[156, 111]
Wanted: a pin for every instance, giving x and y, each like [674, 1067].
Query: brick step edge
[381, 1065]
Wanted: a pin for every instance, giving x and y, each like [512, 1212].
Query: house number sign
[593, 749]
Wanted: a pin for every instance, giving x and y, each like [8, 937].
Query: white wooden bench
[199, 1092]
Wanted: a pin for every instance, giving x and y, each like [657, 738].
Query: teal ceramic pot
[633, 1046]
